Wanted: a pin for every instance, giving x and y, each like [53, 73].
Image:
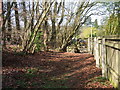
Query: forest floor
[51, 70]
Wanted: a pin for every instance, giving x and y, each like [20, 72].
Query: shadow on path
[50, 70]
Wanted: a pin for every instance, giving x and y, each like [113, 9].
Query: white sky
[99, 18]
[65, 0]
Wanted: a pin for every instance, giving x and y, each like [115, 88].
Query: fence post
[118, 64]
[92, 43]
[96, 51]
[104, 67]
[89, 45]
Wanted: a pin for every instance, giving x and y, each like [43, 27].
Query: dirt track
[52, 70]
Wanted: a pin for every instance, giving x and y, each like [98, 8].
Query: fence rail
[106, 51]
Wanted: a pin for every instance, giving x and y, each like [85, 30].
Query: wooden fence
[106, 51]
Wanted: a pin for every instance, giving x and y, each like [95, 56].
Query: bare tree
[45, 29]
[36, 17]
[79, 20]
[53, 20]
[9, 21]
[24, 13]
[36, 28]
[17, 16]
[6, 16]
[56, 20]
[1, 20]
[32, 15]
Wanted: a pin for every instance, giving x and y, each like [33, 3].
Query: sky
[98, 17]
[67, 0]
[93, 17]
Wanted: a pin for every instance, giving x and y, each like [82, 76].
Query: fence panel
[107, 55]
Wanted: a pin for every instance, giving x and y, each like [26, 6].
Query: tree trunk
[17, 16]
[36, 28]
[1, 21]
[62, 4]
[5, 19]
[45, 35]
[24, 15]
[79, 20]
[19, 41]
[1, 6]
[45, 28]
[68, 40]
[32, 16]
[24, 35]
[9, 22]
[64, 46]
[53, 19]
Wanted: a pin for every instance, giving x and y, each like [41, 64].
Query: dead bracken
[52, 70]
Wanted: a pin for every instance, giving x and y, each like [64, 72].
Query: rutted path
[52, 70]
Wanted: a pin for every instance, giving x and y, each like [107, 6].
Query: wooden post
[91, 51]
[95, 48]
[104, 68]
[1, 44]
[89, 45]
[96, 52]
[118, 65]
[1, 21]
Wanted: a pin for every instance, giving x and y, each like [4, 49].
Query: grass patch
[55, 84]
[9, 88]
[32, 70]
[30, 73]
[52, 82]
[20, 53]
[101, 80]
[34, 84]
[21, 83]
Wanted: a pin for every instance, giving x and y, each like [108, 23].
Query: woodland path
[52, 70]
